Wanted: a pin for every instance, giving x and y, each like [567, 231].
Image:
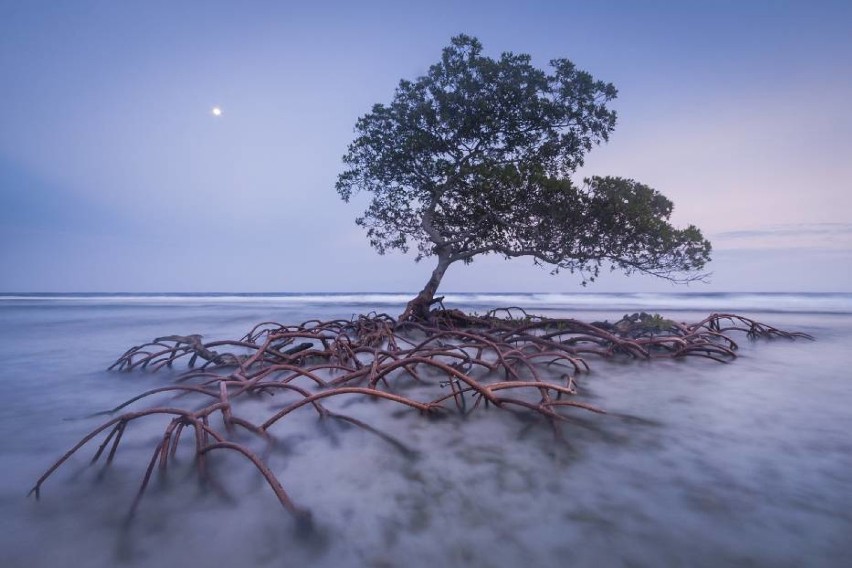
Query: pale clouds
[754, 159]
[828, 236]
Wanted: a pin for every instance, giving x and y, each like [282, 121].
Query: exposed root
[491, 360]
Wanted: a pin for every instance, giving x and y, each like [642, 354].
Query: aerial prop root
[378, 357]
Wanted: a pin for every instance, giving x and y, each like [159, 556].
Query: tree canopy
[475, 157]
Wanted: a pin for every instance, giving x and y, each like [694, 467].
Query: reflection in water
[697, 463]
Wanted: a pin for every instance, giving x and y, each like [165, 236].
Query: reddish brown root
[504, 359]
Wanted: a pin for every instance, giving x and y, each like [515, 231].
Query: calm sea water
[696, 464]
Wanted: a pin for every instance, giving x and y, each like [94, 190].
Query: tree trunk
[418, 308]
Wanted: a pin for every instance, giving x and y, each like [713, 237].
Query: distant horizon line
[327, 293]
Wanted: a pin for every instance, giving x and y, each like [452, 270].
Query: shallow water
[696, 464]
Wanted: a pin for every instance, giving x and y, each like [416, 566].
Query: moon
[216, 111]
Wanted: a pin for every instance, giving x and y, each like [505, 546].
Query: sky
[116, 177]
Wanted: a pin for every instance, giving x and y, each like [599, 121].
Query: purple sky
[115, 176]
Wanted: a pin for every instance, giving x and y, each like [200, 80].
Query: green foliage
[646, 322]
[475, 157]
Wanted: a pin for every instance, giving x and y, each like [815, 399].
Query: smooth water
[696, 464]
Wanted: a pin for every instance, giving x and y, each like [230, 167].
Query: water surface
[696, 464]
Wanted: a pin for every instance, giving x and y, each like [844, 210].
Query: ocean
[696, 463]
